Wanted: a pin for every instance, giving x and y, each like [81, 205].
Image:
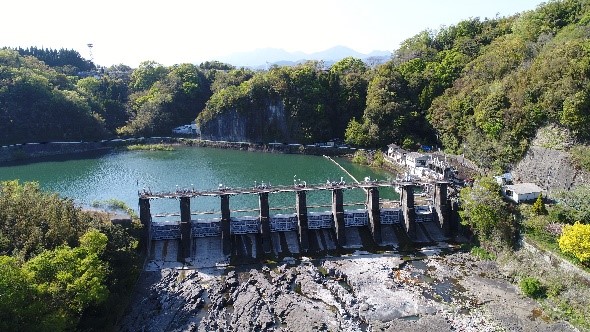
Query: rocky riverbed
[435, 289]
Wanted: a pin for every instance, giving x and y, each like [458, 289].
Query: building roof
[524, 188]
[415, 155]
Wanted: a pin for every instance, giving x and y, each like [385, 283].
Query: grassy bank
[150, 147]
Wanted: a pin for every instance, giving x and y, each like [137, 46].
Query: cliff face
[549, 168]
[548, 163]
[262, 124]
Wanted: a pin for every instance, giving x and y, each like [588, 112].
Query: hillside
[481, 87]
[498, 79]
[548, 162]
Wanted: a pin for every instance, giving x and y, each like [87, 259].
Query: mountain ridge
[268, 56]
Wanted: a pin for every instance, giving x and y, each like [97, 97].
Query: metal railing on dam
[383, 226]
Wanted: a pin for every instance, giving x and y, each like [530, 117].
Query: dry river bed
[429, 291]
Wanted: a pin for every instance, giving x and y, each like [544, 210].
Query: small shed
[504, 179]
[522, 192]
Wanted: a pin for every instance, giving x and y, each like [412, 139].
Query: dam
[192, 240]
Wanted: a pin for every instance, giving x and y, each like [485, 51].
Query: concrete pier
[225, 224]
[338, 213]
[184, 253]
[145, 217]
[455, 219]
[442, 207]
[302, 222]
[265, 222]
[374, 214]
[407, 202]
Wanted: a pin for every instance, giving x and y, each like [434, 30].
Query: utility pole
[90, 45]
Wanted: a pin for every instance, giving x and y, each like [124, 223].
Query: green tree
[575, 114]
[539, 206]
[107, 97]
[20, 309]
[39, 104]
[148, 73]
[32, 221]
[356, 135]
[176, 97]
[71, 279]
[347, 95]
[484, 210]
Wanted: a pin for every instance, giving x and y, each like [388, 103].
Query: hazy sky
[177, 31]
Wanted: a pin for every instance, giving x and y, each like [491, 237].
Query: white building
[521, 192]
[189, 129]
[504, 179]
[396, 154]
[415, 159]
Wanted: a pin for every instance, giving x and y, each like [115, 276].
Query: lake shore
[35, 151]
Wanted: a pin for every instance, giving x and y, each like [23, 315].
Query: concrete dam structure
[206, 242]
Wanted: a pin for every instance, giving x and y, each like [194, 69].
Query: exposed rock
[551, 169]
[263, 123]
[548, 164]
[354, 293]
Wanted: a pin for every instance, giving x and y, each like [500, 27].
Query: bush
[481, 253]
[483, 209]
[378, 159]
[539, 206]
[360, 157]
[575, 240]
[581, 157]
[532, 287]
[542, 228]
[575, 203]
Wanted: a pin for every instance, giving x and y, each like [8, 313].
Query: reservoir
[121, 174]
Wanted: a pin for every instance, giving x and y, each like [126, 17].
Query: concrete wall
[20, 152]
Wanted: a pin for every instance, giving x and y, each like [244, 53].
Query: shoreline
[32, 152]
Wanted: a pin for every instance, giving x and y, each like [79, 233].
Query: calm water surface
[120, 174]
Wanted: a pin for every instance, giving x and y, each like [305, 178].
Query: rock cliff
[548, 163]
[263, 124]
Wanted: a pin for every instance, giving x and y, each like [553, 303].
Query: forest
[496, 78]
[61, 268]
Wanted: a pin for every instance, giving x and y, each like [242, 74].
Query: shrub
[575, 240]
[575, 203]
[532, 287]
[539, 206]
[378, 159]
[481, 253]
[360, 157]
[484, 210]
[581, 157]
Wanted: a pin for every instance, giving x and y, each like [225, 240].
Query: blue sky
[177, 31]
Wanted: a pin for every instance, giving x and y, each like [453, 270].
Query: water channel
[120, 174]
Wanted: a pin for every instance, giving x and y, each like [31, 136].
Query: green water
[120, 174]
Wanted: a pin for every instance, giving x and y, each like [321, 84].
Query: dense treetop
[61, 268]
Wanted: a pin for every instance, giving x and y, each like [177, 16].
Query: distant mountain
[269, 56]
